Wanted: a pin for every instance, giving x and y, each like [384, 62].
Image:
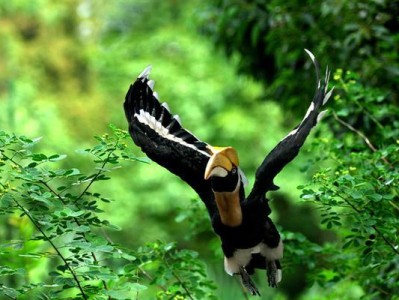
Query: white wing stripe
[146, 118]
[310, 109]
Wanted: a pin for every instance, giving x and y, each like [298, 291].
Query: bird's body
[249, 239]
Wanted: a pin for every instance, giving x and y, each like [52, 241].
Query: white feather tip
[327, 96]
[166, 106]
[146, 72]
[177, 118]
[321, 115]
[311, 55]
[151, 84]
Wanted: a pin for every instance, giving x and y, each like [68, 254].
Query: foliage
[68, 234]
[269, 37]
[357, 192]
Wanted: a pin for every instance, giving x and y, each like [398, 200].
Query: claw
[272, 276]
[248, 283]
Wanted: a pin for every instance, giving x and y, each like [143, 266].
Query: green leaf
[8, 271]
[68, 212]
[128, 291]
[39, 157]
[57, 157]
[72, 172]
[27, 143]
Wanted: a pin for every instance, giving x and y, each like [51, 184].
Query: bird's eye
[234, 170]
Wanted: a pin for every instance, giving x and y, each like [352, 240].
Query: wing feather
[161, 136]
[288, 148]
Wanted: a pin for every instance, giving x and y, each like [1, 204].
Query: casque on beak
[223, 160]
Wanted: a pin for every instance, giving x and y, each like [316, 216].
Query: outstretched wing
[161, 136]
[288, 148]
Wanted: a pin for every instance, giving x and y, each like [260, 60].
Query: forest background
[237, 74]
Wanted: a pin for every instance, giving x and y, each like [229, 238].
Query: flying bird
[249, 239]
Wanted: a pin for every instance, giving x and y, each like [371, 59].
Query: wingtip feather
[327, 96]
[146, 72]
[177, 118]
[151, 84]
[316, 66]
[321, 115]
[311, 55]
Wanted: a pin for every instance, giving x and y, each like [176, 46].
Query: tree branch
[372, 226]
[93, 255]
[243, 290]
[359, 133]
[182, 284]
[46, 185]
[54, 247]
[179, 280]
[100, 171]
[149, 277]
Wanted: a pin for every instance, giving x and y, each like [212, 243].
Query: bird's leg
[272, 273]
[248, 283]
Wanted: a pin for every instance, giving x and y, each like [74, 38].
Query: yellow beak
[222, 157]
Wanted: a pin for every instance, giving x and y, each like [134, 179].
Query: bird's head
[223, 171]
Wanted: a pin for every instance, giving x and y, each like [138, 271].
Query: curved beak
[222, 161]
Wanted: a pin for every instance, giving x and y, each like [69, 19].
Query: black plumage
[248, 236]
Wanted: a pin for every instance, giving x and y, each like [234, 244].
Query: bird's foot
[273, 273]
[248, 283]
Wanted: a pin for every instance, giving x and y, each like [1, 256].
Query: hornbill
[249, 239]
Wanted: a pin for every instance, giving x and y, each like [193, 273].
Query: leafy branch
[64, 218]
[46, 185]
[394, 249]
[359, 133]
[61, 256]
[357, 189]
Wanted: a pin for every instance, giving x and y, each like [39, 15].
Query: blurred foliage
[64, 70]
[269, 38]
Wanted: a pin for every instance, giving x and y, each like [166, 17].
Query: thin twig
[93, 255]
[179, 280]
[183, 285]
[98, 173]
[380, 290]
[150, 278]
[243, 290]
[372, 226]
[137, 281]
[370, 115]
[54, 247]
[359, 133]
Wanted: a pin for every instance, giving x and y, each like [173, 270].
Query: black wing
[288, 148]
[161, 136]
